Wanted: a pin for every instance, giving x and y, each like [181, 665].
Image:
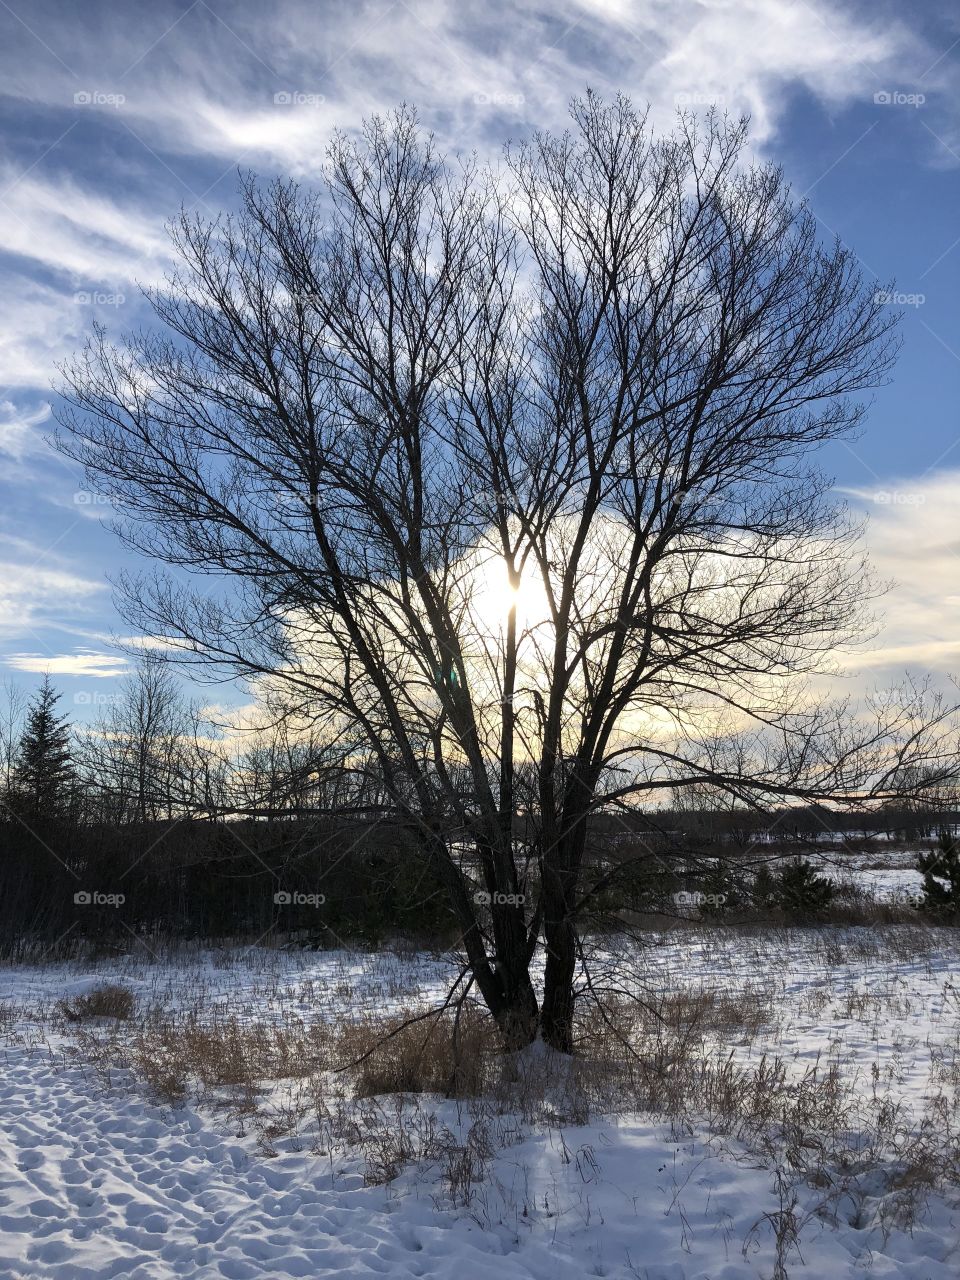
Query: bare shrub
[107, 1001]
[164, 1076]
[447, 1054]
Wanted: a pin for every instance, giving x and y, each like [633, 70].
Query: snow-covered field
[99, 1179]
[887, 875]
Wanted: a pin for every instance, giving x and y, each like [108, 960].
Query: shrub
[763, 891]
[794, 890]
[107, 1001]
[721, 890]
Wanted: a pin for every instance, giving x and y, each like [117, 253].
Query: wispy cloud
[177, 102]
[99, 237]
[114, 124]
[32, 594]
[84, 662]
[19, 436]
[41, 588]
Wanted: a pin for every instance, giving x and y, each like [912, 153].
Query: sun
[493, 596]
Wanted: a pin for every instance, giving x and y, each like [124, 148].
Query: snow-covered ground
[98, 1180]
[886, 875]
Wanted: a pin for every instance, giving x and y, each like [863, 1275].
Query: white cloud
[42, 328]
[40, 588]
[101, 247]
[208, 85]
[18, 430]
[99, 239]
[202, 88]
[198, 92]
[913, 537]
[84, 662]
[32, 593]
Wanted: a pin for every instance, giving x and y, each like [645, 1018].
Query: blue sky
[116, 114]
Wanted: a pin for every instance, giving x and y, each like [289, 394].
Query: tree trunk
[516, 1015]
[556, 1014]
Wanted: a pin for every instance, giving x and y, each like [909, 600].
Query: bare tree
[510, 472]
[283, 765]
[12, 710]
[133, 758]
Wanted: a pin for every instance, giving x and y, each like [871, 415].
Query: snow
[114, 1186]
[98, 1180]
[886, 876]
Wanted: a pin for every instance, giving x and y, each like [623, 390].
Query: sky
[116, 115]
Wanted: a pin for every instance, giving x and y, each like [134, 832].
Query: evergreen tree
[941, 877]
[763, 891]
[794, 889]
[43, 774]
[802, 893]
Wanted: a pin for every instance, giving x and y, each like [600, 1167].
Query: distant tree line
[155, 822]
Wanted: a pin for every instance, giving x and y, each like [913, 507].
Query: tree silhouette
[43, 772]
[596, 374]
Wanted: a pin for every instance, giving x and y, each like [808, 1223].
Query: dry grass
[107, 1001]
[455, 1056]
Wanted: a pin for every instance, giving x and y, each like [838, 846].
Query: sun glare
[494, 596]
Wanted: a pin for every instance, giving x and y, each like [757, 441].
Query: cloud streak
[98, 666]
